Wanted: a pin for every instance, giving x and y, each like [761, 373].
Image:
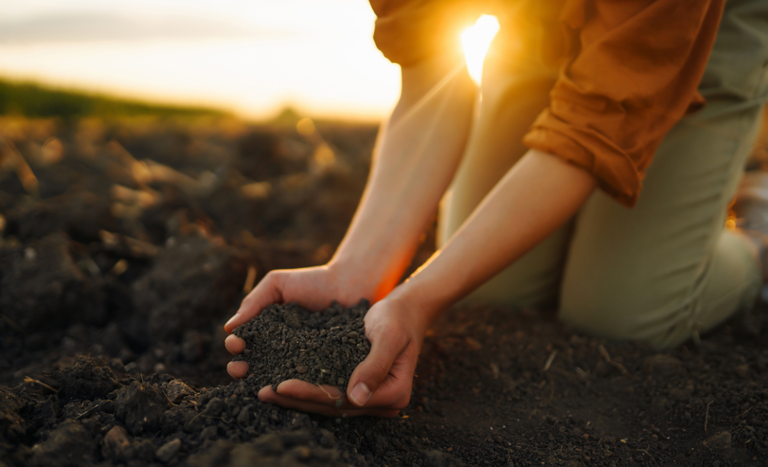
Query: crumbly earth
[289, 342]
[111, 345]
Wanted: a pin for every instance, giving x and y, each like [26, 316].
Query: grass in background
[34, 100]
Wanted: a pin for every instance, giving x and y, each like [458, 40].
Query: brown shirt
[628, 69]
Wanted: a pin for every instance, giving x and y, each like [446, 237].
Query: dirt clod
[166, 452]
[86, 379]
[176, 390]
[191, 275]
[288, 342]
[68, 445]
[664, 365]
[214, 407]
[721, 440]
[12, 425]
[140, 406]
[116, 444]
[292, 318]
[41, 287]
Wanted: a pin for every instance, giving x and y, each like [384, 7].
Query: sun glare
[476, 41]
[317, 57]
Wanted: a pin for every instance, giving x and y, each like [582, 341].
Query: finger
[237, 370]
[395, 391]
[267, 394]
[372, 371]
[267, 292]
[234, 344]
[297, 389]
[316, 394]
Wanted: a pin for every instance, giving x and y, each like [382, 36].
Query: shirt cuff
[586, 148]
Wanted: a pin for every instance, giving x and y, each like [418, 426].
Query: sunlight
[476, 41]
[317, 57]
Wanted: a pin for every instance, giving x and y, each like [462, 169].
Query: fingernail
[231, 320]
[360, 394]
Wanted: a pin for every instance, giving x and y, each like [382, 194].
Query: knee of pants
[630, 319]
[663, 313]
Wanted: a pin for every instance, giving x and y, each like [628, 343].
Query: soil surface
[288, 342]
[125, 246]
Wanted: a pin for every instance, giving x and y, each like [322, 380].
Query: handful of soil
[289, 342]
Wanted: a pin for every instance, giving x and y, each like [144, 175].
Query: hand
[381, 384]
[313, 288]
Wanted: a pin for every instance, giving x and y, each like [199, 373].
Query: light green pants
[667, 269]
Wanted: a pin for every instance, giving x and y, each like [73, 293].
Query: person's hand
[381, 384]
[312, 288]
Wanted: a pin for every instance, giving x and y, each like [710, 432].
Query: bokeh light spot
[305, 127]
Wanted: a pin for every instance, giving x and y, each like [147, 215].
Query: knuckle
[402, 402]
[390, 413]
[271, 277]
[376, 371]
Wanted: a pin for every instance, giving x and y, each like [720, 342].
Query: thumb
[372, 371]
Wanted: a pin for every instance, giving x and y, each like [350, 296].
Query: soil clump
[289, 342]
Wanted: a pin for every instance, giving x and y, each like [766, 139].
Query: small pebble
[168, 450]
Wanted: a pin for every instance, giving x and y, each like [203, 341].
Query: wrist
[374, 276]
[360, 279]
[421, 311]
[353, 282]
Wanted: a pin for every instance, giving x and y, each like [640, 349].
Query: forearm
[416, 156]
[535, 198]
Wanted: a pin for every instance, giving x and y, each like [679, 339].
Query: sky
[252, 57]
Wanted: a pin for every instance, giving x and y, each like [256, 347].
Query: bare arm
[540, 193]
[417, 154]
[537, 196]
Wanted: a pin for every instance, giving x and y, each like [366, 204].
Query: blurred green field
[33, 100]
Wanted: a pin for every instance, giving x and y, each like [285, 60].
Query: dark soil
[288, 342]
[118, 270]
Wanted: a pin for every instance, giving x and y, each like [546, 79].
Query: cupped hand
[381, 384]
[312, 288]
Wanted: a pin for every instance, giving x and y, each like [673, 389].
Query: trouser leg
[667, 270]
[509, 104]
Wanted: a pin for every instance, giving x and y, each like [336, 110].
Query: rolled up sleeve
[409, 31]
[632, 74]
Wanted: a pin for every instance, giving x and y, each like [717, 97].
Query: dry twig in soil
[607, 358]
[29, 380]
